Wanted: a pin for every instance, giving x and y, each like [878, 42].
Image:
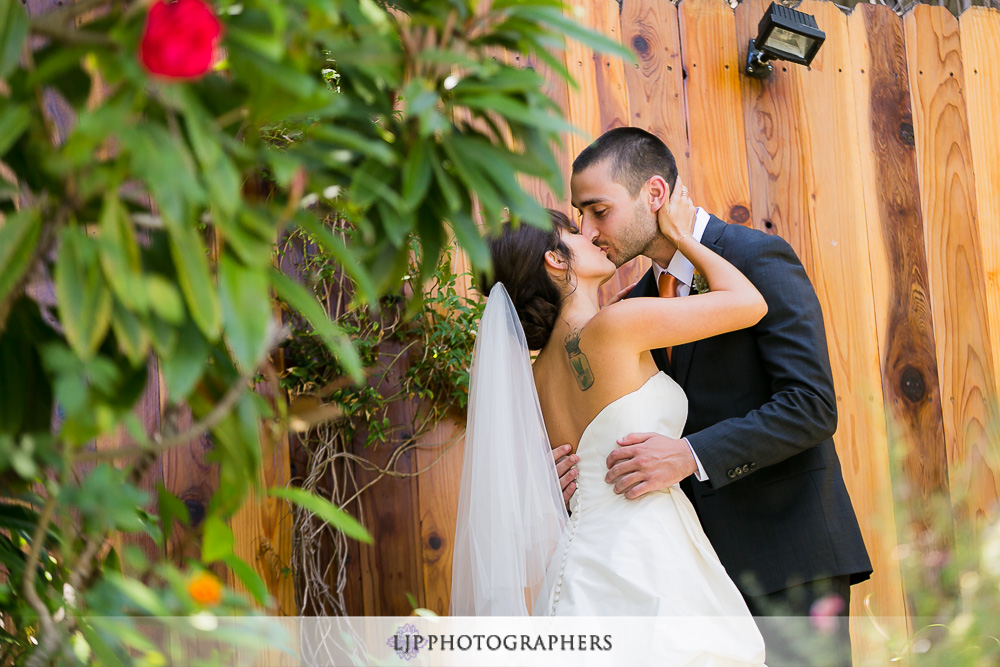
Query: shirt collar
[680, 267]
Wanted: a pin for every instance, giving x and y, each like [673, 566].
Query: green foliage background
[153, 208]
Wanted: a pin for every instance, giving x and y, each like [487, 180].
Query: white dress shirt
[680, 267]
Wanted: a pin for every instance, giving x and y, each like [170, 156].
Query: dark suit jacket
[761, 413]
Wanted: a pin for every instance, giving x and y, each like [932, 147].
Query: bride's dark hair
[519, 263]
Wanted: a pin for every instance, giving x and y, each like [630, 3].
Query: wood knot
[196, 511]
[739, 214]
[435, 541]
[905, 133]
[640, 45]
[912, 384]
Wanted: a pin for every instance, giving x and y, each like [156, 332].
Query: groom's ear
[658, 192]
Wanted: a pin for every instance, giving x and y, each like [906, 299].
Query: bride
[593, 381]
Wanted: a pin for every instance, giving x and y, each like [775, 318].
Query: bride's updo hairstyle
[519, 263]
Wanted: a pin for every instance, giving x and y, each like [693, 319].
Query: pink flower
[179, 39]
[824, 613]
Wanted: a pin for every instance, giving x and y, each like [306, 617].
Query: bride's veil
[510, 507]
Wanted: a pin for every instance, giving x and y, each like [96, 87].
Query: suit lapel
[681, 354]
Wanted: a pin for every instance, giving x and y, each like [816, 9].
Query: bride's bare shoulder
[611, 320]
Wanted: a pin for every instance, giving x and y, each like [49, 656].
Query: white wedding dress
[648, 556]
[612, 556]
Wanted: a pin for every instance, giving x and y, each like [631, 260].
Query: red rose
[179, 39]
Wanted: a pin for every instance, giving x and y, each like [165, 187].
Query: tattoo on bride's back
[578, 361]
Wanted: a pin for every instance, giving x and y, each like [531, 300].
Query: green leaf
[162, 160]
[14, 120]
[101, 648]
[140, 594]
[13, 31]
[446, 184]
[131, 335]
[249, 577]
[325, 510]
[370, 183]
[246, 309]
[249, 64]
[554, 18]
[195, 277]
[106, 500]
[471, 239]
[84, 298]
[18, 238]
[354, 141]
[184, 366]
[164, 298]
[220, 176]
[237, 440]
[120, 255]
[511, 108]
[304, 301]
[416, 174]
[218, 540]
[170, 507]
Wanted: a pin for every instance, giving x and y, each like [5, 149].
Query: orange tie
[667, 284]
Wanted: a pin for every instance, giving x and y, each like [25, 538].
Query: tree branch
[158, 445]
[67, 35]
[72, 11]
[28, 585]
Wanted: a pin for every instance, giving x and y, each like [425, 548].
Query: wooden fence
[878, 164]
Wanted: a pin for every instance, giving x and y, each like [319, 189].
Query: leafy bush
[138, 216]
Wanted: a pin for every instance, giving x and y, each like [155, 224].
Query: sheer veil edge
[510, 508]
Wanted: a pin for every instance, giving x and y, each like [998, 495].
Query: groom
[757, 460]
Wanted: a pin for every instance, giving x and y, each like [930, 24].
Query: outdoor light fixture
[783, 34]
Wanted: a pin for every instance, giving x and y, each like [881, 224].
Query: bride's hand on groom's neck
[675, 217]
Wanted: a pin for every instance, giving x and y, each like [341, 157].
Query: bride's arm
[650, 323]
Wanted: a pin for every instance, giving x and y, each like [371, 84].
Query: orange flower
[205, 588]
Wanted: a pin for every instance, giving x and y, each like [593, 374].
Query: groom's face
[610, 217]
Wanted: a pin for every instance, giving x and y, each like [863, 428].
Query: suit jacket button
[746, 468]
[752, 466]
[732, 474]
[739, 471]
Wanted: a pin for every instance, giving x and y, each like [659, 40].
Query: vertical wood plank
[779, 182]
[655, 84]
[951, 236]
[147, 409]
[654, 87]
[189, 475]
[718, 176]
[828, 129]
[263, 527]
[980, 36]
[440, 458]
[390, 509]
[600, 102]
[906, 344]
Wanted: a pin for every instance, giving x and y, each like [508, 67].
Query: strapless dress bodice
[647, 556]
[658, 406]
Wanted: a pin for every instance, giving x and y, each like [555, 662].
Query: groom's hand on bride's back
[565, 470]
[645, 462]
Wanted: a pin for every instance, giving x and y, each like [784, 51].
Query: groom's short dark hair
[635, 156]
